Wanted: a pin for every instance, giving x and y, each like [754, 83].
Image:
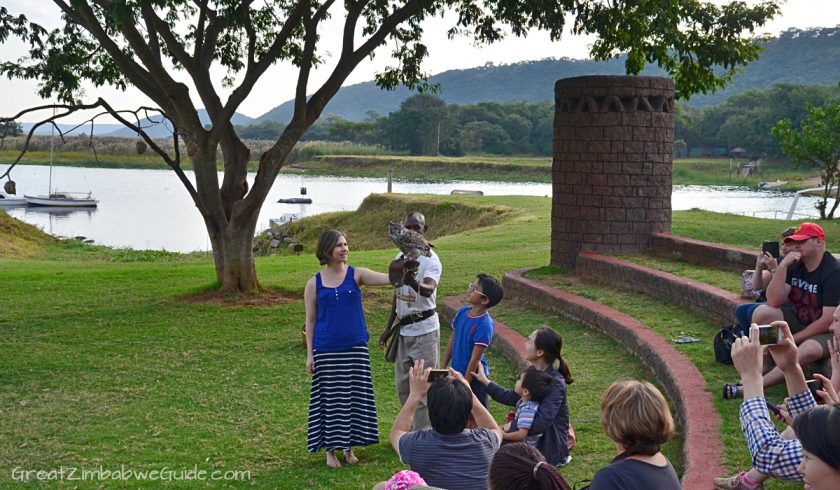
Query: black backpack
[723, 342]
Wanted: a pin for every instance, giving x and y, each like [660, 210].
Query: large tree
[816, 143]
[158, 46]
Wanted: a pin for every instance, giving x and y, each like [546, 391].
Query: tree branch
[199, 31]
[172, 44]
[154, 43]
[68, 109]
[255, 71]
[138, 75]
[249, 28]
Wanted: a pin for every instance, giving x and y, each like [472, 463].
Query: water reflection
[149, 209]
[63, 212]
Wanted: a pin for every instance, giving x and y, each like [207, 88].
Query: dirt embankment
[19, 240]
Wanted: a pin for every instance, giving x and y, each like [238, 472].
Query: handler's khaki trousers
[410, 349]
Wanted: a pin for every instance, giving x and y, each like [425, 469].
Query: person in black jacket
[543, 350]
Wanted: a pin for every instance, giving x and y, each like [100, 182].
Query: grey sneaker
[733, 483]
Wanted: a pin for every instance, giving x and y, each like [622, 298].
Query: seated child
[532, 387]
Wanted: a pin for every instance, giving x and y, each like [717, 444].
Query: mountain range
[153, 129]
[795, 56]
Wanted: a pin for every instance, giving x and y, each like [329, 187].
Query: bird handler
[413, 325]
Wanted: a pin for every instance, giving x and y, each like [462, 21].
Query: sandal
[732, 391]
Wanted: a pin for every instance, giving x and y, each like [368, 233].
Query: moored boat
[9, 201]
[63, 199]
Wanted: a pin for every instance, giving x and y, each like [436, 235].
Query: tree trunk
[234, 256]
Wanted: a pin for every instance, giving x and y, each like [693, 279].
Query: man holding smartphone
[447, 455]
[804, 292]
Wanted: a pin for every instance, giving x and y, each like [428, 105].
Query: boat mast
[52, 146]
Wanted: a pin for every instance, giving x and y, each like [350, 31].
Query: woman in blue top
[342, 412]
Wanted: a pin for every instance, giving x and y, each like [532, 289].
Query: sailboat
[61, 198]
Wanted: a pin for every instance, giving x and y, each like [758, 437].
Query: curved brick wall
[703, 299]
[613, 147]
[685, 386]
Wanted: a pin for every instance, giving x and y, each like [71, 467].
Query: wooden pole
[390, 178]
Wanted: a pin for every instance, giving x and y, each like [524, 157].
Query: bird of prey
[411, 243]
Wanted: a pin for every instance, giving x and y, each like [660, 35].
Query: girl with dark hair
[819, 432]
[519, 466]
[342, 412]
[543, 349]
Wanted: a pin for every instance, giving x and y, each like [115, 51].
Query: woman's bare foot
[350, 457]
[332, 461]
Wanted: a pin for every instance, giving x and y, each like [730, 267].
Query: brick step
[683, 383]
[703, 299]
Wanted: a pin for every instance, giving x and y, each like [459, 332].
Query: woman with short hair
[636, 417]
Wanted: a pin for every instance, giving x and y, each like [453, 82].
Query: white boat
[9, 201]
[63, 199]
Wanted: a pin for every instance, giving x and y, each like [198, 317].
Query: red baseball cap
[805, 231]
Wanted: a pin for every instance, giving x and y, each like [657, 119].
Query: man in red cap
[804, 293]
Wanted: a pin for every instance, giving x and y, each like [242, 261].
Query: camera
[436, 374]
[768, 335]
[771, 247]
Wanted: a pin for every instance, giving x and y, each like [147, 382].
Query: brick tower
[611, 172]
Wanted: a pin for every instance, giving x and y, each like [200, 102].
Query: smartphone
[813, 386]
[773, 408]
[436, 374]
[771, 247]
[768, 335]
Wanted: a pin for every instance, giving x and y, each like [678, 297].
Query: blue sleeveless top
[340, 324]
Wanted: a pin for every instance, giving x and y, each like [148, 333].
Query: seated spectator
[543, 350]
[519, 466]
[402, 480]
[771, 454]
[448, 454]
[819, 433]
[754, 478]
[635, 416]
[765, 267]
[804, 293]
[533, 386]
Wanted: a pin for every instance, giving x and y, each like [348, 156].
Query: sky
[277, 85]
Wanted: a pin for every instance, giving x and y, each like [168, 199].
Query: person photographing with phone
[804, 292]
[447, 455]
[814, 456]
[755, 282]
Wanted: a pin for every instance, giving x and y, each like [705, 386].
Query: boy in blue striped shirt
[532, 386]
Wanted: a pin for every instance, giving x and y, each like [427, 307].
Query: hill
[164, 130]
[811, 56]
[120, 131]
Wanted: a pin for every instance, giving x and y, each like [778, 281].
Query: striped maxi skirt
[342, 411]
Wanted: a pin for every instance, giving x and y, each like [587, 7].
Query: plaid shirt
[771, 454]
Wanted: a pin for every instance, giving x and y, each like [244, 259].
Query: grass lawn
[107, 360]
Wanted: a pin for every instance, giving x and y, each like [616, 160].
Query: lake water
[150, 209]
